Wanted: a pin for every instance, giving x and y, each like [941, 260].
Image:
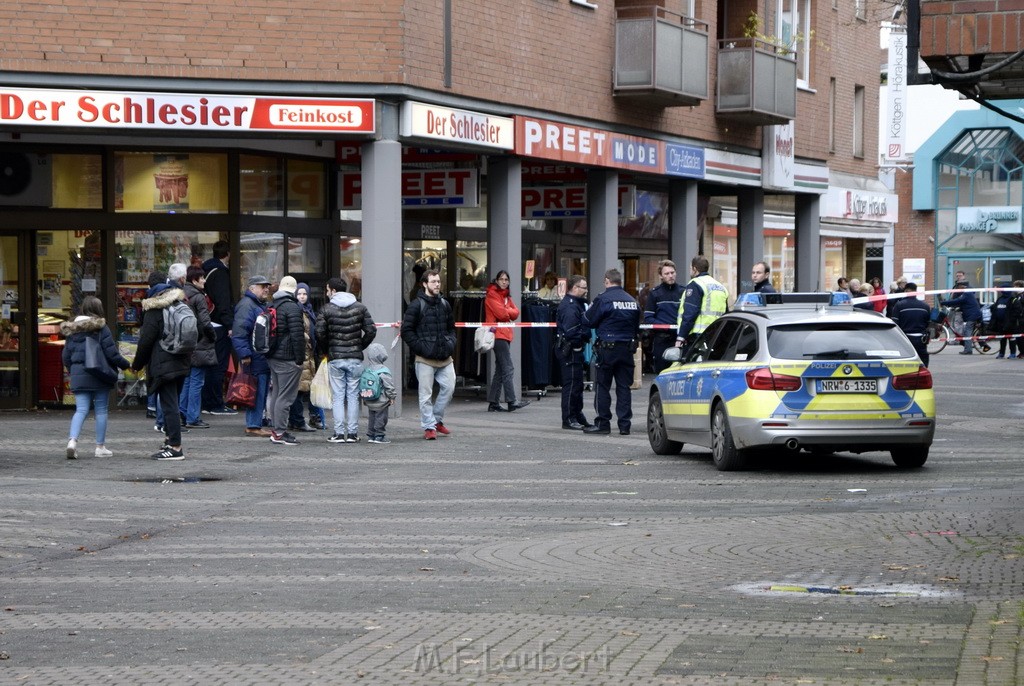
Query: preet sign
[184, 111]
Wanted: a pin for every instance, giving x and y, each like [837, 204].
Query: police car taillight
[763, 379]
[920, 380]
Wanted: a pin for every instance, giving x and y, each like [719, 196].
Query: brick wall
[544, 55]
[968, 27]
[915, 231]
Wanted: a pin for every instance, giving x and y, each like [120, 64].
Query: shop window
[472, 265]
[306, 255]
[307, 189]
[77, 181]
[173, 183]
[261, 185]
[262, 254]
[352, 264]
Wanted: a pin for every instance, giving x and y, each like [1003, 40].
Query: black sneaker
[336, 438]
[169, 454]
[224, 411]
[284, 438]
[198, 424]
[351, 438]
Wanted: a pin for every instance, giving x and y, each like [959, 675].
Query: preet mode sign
[184, 111]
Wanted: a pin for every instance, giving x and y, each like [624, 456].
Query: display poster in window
[51, 291]
[171, 183]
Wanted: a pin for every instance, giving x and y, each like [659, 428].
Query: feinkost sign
[183, 111]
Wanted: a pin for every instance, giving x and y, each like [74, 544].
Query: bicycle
[942, 330]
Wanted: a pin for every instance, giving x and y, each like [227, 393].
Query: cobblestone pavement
[513, 552]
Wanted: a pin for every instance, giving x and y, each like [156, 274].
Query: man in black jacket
[166, 371]
[344, 328]
[663, 308]
[218, 288]
[572, 337]
[913, 316]
[286, 359]
[428, 328]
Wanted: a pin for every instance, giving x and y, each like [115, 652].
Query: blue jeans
[254, 415]
[344, 376]
[100, 401]
[432, 413]
[191, 397]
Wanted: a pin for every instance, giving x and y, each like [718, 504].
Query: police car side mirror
[672, 354]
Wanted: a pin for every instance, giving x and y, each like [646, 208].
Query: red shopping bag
[241, 389]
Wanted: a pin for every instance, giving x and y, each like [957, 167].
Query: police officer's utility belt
[614, 344]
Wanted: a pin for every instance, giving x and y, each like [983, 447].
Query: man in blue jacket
[971, 311]
[615, 315]
[248, 308]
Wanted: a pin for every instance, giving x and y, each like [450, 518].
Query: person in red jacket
[498, 308]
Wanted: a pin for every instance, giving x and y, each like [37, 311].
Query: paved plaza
[514, 552]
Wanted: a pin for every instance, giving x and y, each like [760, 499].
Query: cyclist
[971, 311]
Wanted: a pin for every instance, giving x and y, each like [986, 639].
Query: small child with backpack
[377, 391]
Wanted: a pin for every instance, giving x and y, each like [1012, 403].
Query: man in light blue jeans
[344, 328]
[428, 328]
[344, 375]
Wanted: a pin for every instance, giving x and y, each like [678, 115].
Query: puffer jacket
[73, 355]
[428, 327]
[291, 338]
[163, 367]
[344, 328]
[498, 307]
[246, 311]
[205, 355]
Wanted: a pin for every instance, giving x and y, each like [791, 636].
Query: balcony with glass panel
[660, 57]
[756, 82]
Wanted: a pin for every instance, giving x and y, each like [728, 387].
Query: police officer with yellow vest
[704, 301]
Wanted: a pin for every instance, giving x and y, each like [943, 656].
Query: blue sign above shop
[684, 160]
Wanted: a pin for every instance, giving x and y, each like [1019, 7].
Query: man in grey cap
[251, 305]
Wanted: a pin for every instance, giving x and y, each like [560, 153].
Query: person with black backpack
[286, 356]
[249, 308]
[164, 349]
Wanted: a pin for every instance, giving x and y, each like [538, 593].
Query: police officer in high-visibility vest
[615, 315]
[704, 301]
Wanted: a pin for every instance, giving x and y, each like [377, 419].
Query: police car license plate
[847, 386]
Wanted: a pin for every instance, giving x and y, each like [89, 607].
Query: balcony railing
[756, 82]
[660, 57]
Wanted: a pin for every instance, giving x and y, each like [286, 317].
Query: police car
[795, 371]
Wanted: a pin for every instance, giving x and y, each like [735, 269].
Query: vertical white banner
[896, 107]
[778, 157]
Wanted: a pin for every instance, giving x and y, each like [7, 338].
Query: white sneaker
[72, 451]
[101, 451]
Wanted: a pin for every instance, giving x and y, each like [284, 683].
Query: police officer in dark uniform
[663, 308]
[572, 337]
[913, 316]
[616, 317]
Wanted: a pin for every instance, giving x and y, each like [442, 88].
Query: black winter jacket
[73, 355]
[205, 355]
[218, 287]
[163, 367]
[344, 328]
[428, 327]
[291, 329]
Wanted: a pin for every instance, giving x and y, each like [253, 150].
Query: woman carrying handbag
[91, 357]
[499, 308]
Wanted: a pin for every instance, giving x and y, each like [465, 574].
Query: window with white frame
[793, 31]
[858, 121]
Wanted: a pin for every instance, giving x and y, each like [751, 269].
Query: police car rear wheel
[657, 434]
[724, 454]
[910, 457]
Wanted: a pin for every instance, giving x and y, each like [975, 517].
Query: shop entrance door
[14, 345]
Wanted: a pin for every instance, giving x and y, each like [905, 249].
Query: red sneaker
[430, 435]
[442, 429]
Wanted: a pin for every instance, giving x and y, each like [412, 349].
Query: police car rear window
[820, 341]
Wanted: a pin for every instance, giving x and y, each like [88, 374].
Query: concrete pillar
[683, 229]
[808, 243]
[382, 246]
[750, 236]
[505, 240]
[603, 223]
